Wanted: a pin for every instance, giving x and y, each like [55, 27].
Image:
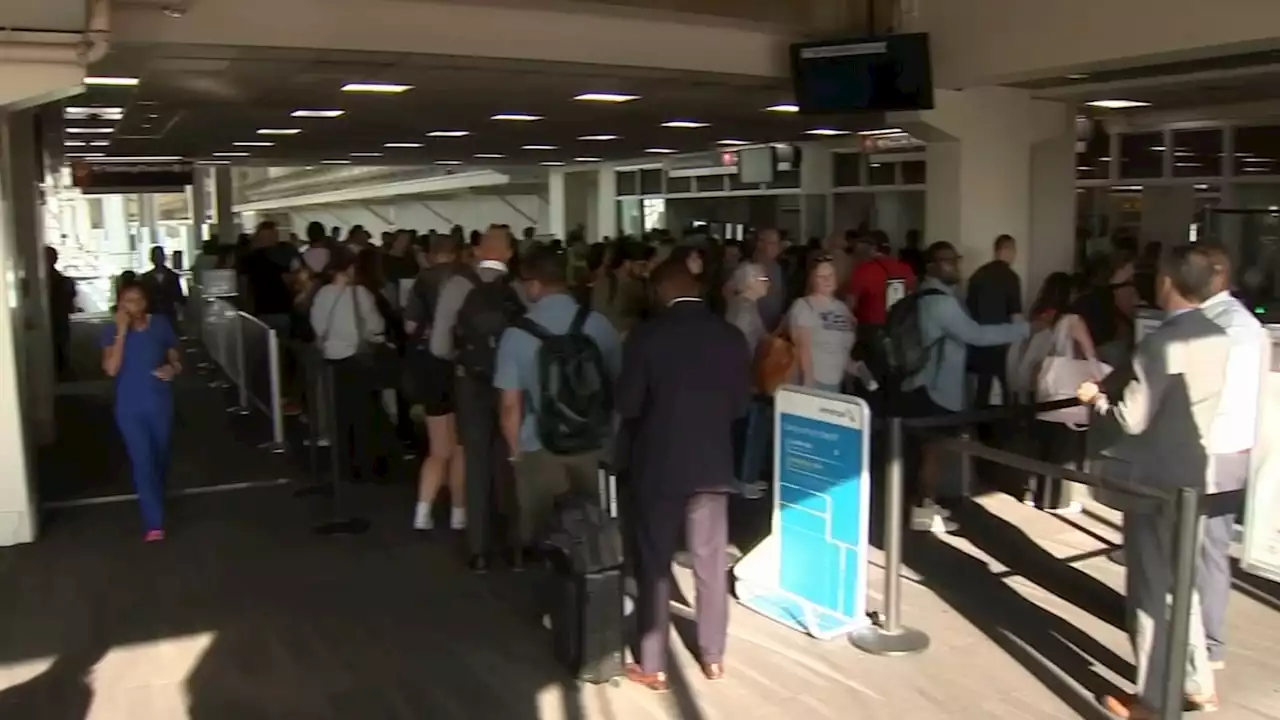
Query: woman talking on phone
[141, 352]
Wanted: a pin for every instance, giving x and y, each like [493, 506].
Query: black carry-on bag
[587, 555]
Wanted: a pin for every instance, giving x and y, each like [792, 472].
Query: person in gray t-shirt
[748, 284]
[823, 330]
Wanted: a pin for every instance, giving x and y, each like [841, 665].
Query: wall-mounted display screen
[873, 74]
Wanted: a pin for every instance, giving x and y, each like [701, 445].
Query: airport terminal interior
[127, 125]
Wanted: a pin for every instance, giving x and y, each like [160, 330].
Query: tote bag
[1061, 374]
[776, 361]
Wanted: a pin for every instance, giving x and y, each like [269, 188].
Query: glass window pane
[1197, 153]
[882, 173]
[628, 182]
[786, 179]
[651, 182]
[1142, 155]
[914, 172]
[736, 184]
[1094, 161]
[845, 169]
[1257, 150]
[679, 184]
[710, 183]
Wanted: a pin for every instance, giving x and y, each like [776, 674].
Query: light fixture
[882, 131]
[448, 162]
[86, 154]
[231, 154]
[1084, 168]
[826, 132]
[79, 113]
[516, 117]
[214, 162]
[335, 162]
[366, 154]
[368, 87]
[598, 138]
[660, 151]
[784, 108]
[489, 156]
[1104, 159]
[552, 163]
[1117, 104]
[143, 158]
[538, 147]
[685, 124]
[402, 145]
[317, 113]
[448, 133]
[88, 130]
[606, 97]
[1078, 76]
[586, 159]
[279, 131]
[111, 81]
[253, 143]
[1187, 164]
[74, 143]
[99, 143]
[1158, 148]
[1254, 159]
[731, 141]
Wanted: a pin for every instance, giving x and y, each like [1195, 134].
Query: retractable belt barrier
[891, 637]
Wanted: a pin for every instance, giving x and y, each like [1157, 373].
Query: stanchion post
[277, 414]
[242, 388]
[892, 637]
[314, 379]
[219, 352]
[341, 523]
[1186, 532]
[966, 468]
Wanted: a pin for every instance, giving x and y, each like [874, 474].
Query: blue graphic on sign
[810, 574]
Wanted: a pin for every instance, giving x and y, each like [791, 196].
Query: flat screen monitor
[872, 74]
[756, 165]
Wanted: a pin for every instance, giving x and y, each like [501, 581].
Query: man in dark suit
[684, 381]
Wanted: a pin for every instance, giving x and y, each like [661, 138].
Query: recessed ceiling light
[448, 162]
[586, 159]
[317, 113]
[73, 111]
[882, 131]
[660, 151]
[402, 145]
[279, 131]
[253, 143]
[516, 117]
[214, 162]
[685, 124]
[86, 154]
[1084, 168]
[1256, 159]
[365, 87]
[74, 143]
[1077, 76]
[598, 138]
[99, 143]
[538, 147]
[731, 141]
[489, 156]
[1117, 104]
[606, 97]
[1158, 148]
[366, 154]
[88, 130]
[143, 158]
[111, 81]
[552, 163]
[335, 162]
[231, 154]
[784, 108]
[826, 132]
[448, 133]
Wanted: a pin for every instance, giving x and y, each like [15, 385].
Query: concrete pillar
[999, 161]
[115, 222]
[557, 201]
[224, 191]
[606, 214]
[199, 204]
[148, 227]
[816, 204]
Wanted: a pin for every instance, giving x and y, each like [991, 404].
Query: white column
[997, 164]
[115, 224]
[816, 206]
[228, 232]
[199, 204]
[148, 227]
[606, 205]
[557, 191]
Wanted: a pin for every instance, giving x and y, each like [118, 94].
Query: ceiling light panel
[516, 117]
[587, 159]
[606, 97]
[369, 87]
[539, 147]
[231, 154]
[1117, 104]
[448, 133]
[489, 156]
[317, 113]
[660, 151]
[88, 130]
[685, 124]
[598, 138]
[784, 108]
[253, 143]
[402, 145]
[143, 158]
[335, 162]
[279, 131]
[366, 154]
[731, 141]
[552, 163]
[448, 162]
[104, 81]
[826, 132]
[86, 154]
[882, 131]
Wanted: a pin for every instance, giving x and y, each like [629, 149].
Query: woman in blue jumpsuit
[140, 351]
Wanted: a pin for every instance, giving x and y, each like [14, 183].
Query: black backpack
[487, 311]
[903, 352]
[575, 404]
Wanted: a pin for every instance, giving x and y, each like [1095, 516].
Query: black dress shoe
[478, 564]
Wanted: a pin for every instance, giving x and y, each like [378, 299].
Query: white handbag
[1061, 374]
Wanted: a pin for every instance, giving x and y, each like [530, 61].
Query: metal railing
[892, 637]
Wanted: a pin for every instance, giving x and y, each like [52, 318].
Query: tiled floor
[243, 614]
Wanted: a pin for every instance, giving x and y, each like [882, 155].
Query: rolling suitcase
[587, 610]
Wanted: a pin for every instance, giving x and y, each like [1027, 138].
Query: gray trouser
[487, 471]
[1148, 549]
[541, 476]
[1213, 574]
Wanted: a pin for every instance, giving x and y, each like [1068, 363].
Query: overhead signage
[123, 177]
[703, 164]
[810, 574]
[1261, 554]
[890, 143]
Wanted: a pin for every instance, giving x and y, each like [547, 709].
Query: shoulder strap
[579, 319]
[469, 272]
[524, 323]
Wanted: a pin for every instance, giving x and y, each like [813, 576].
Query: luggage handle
[608, 485]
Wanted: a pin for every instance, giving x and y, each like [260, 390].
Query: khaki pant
[541, 476]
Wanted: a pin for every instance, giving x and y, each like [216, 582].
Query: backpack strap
[524, 323]
[579, 319]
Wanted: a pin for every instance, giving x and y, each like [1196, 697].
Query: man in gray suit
[1164, 408]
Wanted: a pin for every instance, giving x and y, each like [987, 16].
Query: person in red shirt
[873, 273]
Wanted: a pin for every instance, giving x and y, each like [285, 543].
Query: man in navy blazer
[684, 381]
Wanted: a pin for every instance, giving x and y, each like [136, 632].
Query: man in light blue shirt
[540, 473]
[947, 331]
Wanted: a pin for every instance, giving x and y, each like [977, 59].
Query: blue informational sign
[811, 572]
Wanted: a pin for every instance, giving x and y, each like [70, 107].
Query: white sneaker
[458, 518]
[422, 517]
[936, 508]
[929, 519]
[1071, 508]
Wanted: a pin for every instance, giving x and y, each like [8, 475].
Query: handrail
[986, 415]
